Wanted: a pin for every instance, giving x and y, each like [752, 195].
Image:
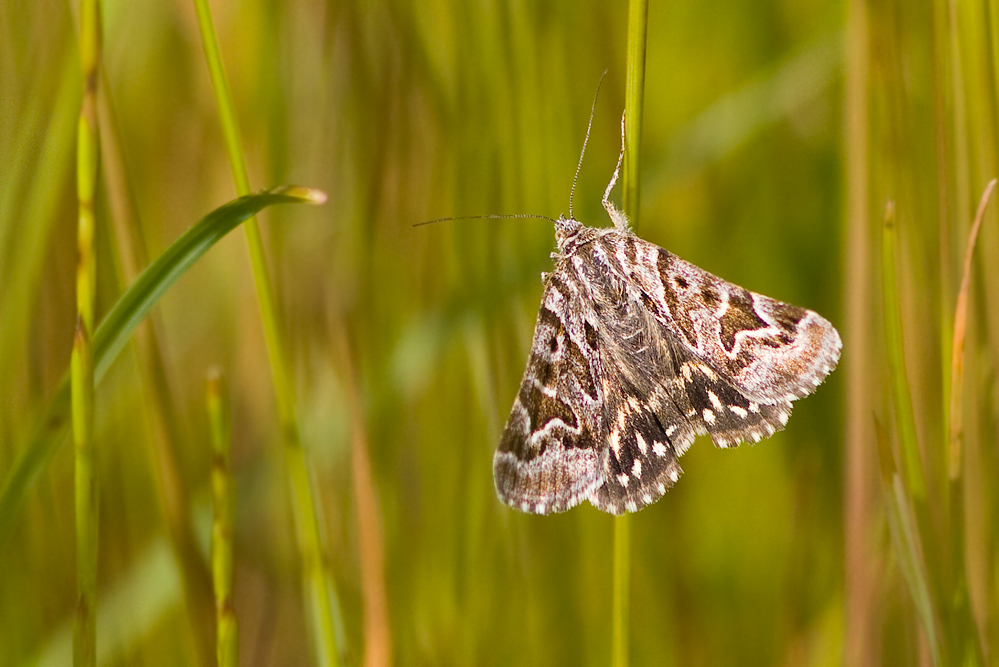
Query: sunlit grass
[223, 517]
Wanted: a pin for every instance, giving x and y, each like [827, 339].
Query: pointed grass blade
[906, 543]
[912, 466]
[956, 435]
[51, 426]
[965, 629]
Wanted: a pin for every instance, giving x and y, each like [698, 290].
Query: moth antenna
[579, 165]
[618, 217]
[495, 216]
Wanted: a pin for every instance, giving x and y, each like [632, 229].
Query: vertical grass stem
[912, 483]
[859, 499]
[223, 518]
[912, 464]
[82, 363]
[622, 590]
[966, 631]
[305, 509]
[638, 11]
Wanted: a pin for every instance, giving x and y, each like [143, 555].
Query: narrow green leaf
[912, 464]
[966, 630]
[117, 328]
[906, 544]
[956, 434]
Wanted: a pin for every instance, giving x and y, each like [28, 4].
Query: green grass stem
[48, 171]
[377, 632]
[955, 437]
[860, 488]
[86, 479]
[117, 327]
[638, 15]
[965, 630]
[638, 11]
[905, 541]
[912, 465]
[305, 507]
[621, 604]
[223, 518]
[905, 495]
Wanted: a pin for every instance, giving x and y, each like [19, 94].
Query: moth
[635, 353]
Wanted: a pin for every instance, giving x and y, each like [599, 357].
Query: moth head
[565, 229]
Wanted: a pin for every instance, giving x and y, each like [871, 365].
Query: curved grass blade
[51, 426]
[956, 435]
[966, 630]
[906, 542]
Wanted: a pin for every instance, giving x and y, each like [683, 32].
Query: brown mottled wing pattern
[550, 456]
[698, 354]
[772, 352]
[645, 431]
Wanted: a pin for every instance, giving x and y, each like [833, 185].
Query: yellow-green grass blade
[965, 630]
[121, 321]
[906, 543]
[912, 465]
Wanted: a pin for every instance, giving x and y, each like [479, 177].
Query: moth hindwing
[635, 353]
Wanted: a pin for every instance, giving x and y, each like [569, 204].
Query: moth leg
[618, 217]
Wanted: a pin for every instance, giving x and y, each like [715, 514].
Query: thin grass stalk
[905, 541]
[82, 364]
[377, 631]
[223, 518]
[912, 465]
[966, 631]
[960, 159]
[955, 437]
[622, 590]
[638, 11]
[36, 213]
[859, 485]
[305, 508]
[912, 484]
[942, 93]
[962, 163]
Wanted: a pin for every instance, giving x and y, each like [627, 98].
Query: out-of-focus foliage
[774, 134]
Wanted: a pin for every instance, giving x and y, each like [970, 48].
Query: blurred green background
[775, 131]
